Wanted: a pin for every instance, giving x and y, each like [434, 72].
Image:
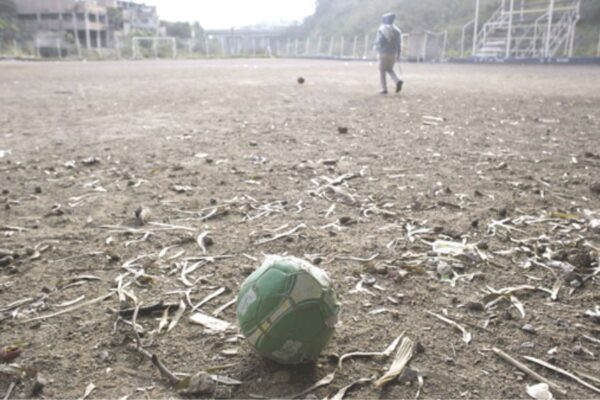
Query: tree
[181, 30]
[8, 14]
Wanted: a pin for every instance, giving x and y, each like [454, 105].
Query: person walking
[389, 48]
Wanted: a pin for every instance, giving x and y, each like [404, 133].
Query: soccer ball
[287, 310]
[301, 81]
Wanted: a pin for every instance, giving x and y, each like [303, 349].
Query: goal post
[154, 41]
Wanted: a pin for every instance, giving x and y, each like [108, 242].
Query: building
[86, 22]
[139, 18]
[54, 25]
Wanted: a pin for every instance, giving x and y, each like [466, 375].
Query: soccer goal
[148, 46]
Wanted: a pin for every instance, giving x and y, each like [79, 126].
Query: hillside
[358, 17]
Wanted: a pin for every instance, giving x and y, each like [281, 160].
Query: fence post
[155, 48]
[444, 46]
[549, 29]
[366, 54]
[354, 46]
[58, 48]
[342, 47]
[76, 31]
[118, 46]
[307, 46]
[476, 26]
[509, 32]
[296, 48]
[319, 45]
[331, 47]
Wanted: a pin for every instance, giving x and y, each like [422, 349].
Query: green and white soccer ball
[287, 310]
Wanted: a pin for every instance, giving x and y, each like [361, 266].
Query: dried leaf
[386, 353]
[342, 392]
[209, 322]
[88, 390]
[323, 382]
[403, 356]
[466, 335]
[177, 316]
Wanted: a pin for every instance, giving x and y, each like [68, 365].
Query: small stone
[408, 375]
[475, 306]
[38, 385]
[6, 261]
[301, 80]
[581, 259]
[346, 221]
[528, 345]
[595, 187]
[503, 212]
[142, 214]
[595, 226]
[38, 190]
[253, 143]
[103, 355]
[5, 252]
[574, 280]
[529, 329]
[330, 162]
[207, 241]
[342, 130]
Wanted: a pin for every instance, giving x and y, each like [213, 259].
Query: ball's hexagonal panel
[288, 313]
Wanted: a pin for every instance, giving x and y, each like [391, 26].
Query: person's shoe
[399, 86]
[383, 92]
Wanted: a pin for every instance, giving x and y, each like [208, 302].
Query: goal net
[153, 47]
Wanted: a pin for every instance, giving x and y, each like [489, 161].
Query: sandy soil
[91, 142]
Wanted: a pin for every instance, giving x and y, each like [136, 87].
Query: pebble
[595, 187]
[528, 328]
[6, 261]
[342, 130]
[595, 226]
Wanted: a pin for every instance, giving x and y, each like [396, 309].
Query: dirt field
[502, 157]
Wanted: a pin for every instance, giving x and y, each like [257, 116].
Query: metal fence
[421, 46]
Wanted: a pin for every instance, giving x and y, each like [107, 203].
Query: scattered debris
[527, 370]
[323, 382]
[466, 335]
[402, 358]
[386, 353]
[211, 323]
[562, 372]
[88, 391]
[342, 392]
[541, 391]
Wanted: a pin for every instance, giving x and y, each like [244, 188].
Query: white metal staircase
[529, 29]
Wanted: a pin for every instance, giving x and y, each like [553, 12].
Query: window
[27, 17]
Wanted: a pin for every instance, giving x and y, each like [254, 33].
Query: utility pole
[509, 32]
[475, 27]
[549, 30]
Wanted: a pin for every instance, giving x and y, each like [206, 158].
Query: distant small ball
[301, 81]
[287, 310]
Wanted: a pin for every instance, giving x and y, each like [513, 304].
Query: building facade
[57, 24]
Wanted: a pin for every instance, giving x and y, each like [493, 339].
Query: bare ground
[509, 143]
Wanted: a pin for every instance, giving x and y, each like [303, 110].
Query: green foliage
[182, 30]
[115, 18]
[8, 12]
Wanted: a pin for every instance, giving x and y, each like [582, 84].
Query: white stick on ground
[562, 372]
[282, 235]
[528, 371]
[70, 309]
[466, 335]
